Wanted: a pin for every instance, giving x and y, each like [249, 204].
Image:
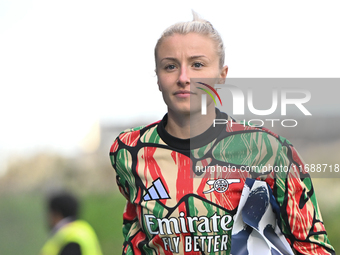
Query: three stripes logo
[156, 191]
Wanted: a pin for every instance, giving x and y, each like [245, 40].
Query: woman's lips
[183, 93]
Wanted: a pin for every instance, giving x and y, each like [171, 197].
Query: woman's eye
[170, 67]
[197, 65]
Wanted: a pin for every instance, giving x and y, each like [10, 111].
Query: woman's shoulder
[131, 136]
[139, 129]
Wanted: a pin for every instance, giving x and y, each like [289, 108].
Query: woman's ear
[224, 71]
[159, 87]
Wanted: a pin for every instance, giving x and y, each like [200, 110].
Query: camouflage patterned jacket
[170, 212]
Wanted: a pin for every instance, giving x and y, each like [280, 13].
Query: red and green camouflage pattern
[170, 212]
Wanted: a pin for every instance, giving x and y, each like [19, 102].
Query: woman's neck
[190, 125]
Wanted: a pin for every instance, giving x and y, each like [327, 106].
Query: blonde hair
[199, 26]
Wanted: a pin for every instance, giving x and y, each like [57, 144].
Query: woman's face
[179, 58]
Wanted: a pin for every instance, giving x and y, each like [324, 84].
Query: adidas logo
[156, 191]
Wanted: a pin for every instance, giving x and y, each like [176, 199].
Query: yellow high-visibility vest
[79, 232]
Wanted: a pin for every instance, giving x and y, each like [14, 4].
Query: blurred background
[73, 74]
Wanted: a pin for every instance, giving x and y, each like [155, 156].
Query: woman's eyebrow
[168, 58]
[191, 58]
[197, 56]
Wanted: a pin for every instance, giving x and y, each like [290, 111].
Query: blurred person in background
[170, 212]
[69, 235]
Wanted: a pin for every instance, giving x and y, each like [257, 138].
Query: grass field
[23, 229]
[23, 226]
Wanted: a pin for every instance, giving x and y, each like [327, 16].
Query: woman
[168, 211]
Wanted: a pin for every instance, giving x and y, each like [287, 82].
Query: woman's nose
[184, 78]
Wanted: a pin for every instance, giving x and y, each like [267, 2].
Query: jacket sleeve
[300, 218]
[131, 229]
